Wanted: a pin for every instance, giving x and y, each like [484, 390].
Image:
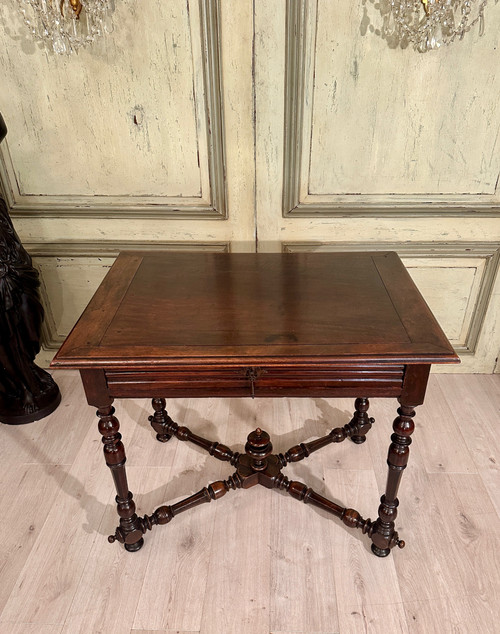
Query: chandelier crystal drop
[428, 24]
[66, 25]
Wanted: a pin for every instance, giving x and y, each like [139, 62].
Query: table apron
[258, 381]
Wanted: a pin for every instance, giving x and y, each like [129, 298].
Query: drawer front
[296, 380]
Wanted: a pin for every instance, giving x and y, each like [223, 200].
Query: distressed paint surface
[117, 119]
[451, 290]
[67, 285]
[176, 73]
[387, 120]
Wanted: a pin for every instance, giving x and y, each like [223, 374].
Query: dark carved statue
[27, 393]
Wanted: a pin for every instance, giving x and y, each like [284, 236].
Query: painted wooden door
[244, 124]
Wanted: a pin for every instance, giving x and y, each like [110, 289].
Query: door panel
[133, 121]
[375, 130]
[419, 128]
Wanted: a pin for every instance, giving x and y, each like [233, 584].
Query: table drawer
[275, 380]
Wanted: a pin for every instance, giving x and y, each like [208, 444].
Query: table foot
[361, 420]
[133, 548]
[380, 552]
[383, 552]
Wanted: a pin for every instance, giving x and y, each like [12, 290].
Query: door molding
[210, 205]
[301, 21]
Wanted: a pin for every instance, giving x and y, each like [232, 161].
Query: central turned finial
[258, 447]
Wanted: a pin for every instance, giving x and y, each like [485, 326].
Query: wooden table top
[158, 309]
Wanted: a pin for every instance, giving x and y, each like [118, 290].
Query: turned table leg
[384, 536]
[128, 532]
[96, 389]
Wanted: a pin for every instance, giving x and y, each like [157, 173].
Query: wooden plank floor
[256, 561]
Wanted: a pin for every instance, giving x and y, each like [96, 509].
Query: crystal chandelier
[428, 24]
[66, 25]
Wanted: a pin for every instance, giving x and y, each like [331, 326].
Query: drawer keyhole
[252, 374]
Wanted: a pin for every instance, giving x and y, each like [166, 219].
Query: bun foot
[380, 552]
[162, 437]
[358, 440]
[132, 548]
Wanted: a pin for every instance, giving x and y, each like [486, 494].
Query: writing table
[175, 324]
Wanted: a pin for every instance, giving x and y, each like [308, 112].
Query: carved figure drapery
[27, 393]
